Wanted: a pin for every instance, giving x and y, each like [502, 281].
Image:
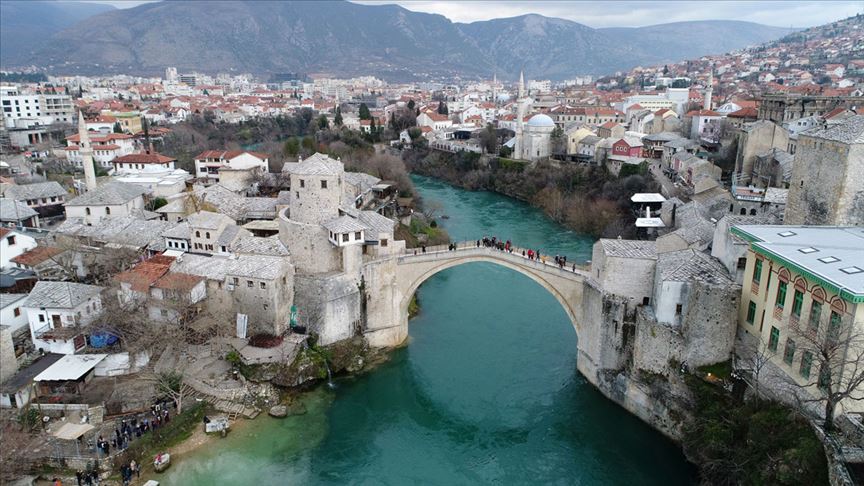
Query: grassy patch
[721, 370]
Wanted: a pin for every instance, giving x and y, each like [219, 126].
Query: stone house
[213, 233]
[755, 139]
[115, 199]
[46, 198]
[210, 163]
[14, 213]
[57, 313]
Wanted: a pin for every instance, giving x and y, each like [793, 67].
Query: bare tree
[832, 364]
[170, 383]
[749, 366]
[431, 209]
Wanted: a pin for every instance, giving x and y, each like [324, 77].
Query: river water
[486, 391]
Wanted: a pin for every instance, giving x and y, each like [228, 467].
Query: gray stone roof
[260, 207]
[690, 265]
[262, 267]
[60, 295]
[254, 245]
[124, 231]
[345, 224]
[12, 210]
[317, 164]
[180, 232]
[775, 195]
[361, 181]
[663, 137]
[376, 222]
[111, 194]
[629, 248]
[230, 234]
[208, 220]
[8, 299]
[850, 131]
[37, 190]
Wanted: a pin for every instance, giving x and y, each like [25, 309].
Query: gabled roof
[850, 131]
[208, 220]
[143, 158]
[12, 210]
[254, 245]
[60, 295]
[110, 194]
[344, 224]
[35, 191]
[37, 255]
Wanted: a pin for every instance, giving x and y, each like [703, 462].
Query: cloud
[638, 13]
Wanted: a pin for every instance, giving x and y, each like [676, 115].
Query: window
[87, 211]
[678, 309]
[345, 237]
[107, 210]
[751, 312]
[10, 240]
[797, 302]
[815, 314]
[197, 234]
[302, 183]
[834, 327]
[781, 295]
[263, 285]
[774, 338]
[806, 364]
[207, 235]
[742, 263]
[224, 248]
[323, 184]
[235, 280]
[789, 352]
[383, 241]
[249, 283]
[356, 235]
[757, 271]
[17, 312]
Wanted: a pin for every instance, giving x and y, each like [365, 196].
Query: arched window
[752, 212]
[743, 212]
[783, 275]
[87, 211]
[197, 234]
[107, 210]
[207, 235]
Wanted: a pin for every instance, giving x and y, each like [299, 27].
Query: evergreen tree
[117, 128]
[322, 122]
[364, 112]
[338, 119]
[392, 121]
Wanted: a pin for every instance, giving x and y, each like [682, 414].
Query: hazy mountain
[24, 25]
[688, 40]
[342, 38]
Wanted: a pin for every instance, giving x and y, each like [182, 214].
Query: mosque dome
[541, 120]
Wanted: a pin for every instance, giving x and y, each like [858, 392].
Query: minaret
[709, 91]
[86, 153]
[494, 83]
[521, 85]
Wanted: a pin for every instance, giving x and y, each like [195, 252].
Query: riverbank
[587, 199]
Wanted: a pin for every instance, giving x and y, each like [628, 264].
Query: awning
[71, 431]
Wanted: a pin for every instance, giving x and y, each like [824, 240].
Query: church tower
[86, 153]
[709, 91]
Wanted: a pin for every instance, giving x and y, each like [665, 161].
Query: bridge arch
[564, 285]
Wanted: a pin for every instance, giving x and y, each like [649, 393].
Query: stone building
[783, 107]
[827, 183]
[756, 139]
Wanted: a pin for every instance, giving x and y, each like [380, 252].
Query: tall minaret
[494, 85]
[521, 85]
[709, 90]
[86, 153]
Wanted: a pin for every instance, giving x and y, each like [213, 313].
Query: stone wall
[8, 363]
[311, 250]
[827, 186]
[328, 305]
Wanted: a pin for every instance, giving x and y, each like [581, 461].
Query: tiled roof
[8, 299]
[37, 255]
[208, 220]
[111, 194]
[124, 231]
[34, 191]
[850, 131]
[254, 245]
[344, 224]
[12, 210]
[143, 159]
[177, 281]
[143, 275]
[629, 248]
[318, 164]
[690, 265]
[62, 295]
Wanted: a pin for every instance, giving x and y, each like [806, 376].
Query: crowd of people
[134, 427]
[507, 246]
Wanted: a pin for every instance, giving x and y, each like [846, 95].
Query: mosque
[533, 141]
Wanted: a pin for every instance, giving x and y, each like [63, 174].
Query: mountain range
[341, 38]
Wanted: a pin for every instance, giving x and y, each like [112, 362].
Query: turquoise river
[486, 391]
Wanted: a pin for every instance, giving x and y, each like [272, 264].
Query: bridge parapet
[470, 249]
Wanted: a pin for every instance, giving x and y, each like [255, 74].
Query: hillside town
[277, 252]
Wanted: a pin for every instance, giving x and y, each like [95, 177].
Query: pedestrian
[423, 248]
[574, 267]
[136, 468]
[79, 476]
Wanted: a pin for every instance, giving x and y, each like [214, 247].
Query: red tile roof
[146, 273]
[143, 158]
[177, 281]
[748, 112]
[228, 154]
[37, 255]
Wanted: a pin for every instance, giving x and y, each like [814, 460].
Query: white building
[12, 244]
[105, 148]
[57, 311]
[115, 199]
[208, 163]
[17, 105]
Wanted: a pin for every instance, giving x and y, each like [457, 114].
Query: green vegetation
[433, 234]
[7, 77]
[751, 442]
[630, 169]
[413, 306]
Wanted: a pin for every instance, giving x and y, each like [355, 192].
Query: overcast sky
[627, 14]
